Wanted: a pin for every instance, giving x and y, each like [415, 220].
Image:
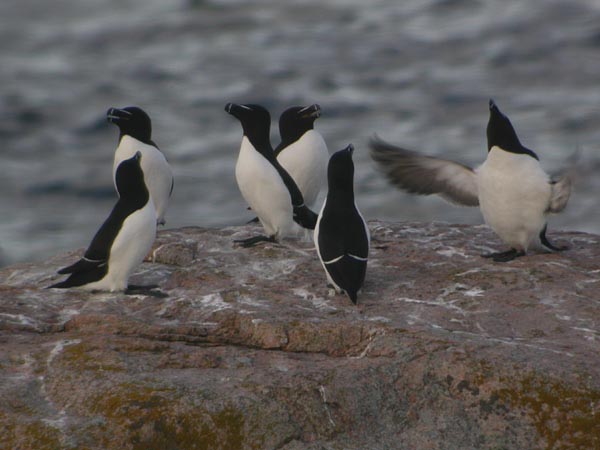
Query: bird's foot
[254, 240]
[506, 256]
[150, 290]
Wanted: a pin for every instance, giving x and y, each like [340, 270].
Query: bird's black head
[296, 121]
[256, 123]
[340, 171]
[500, 133]
[132, 121]
[130, 179]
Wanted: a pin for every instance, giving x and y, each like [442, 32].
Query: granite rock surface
[249, 349]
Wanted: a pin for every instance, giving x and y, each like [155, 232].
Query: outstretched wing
[418, 174]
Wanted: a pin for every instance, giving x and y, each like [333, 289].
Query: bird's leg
[254, 240]
[546, 243]
[506, 256]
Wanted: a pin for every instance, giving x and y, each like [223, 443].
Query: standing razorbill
[267, 188]
[302, 151]
[135, 135]
[512, 190]
[123, 240]
[341, 236]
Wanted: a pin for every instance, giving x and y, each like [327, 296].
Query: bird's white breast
[306, 162]
[264, 190]
[157, 171]
[514, 193]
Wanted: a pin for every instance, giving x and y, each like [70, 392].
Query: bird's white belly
[264, 191]
[306, 162]
[514, 194]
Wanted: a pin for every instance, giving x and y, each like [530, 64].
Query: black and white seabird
[512, 190]
[267, 188]
[341, 236]
[123, 240]
[303, 151]
[135, 135]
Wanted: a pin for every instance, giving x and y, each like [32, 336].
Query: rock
[249, 349]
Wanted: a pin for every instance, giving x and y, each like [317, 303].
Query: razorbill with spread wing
[512, 190]
[123, 240]
[135, 134]
[341, 235]
[267, 188]
[303, 151]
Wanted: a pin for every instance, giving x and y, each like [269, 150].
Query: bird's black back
[342, 230]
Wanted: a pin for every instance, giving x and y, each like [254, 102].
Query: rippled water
[418, 73]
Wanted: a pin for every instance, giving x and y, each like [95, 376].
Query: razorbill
[303, 151]
[135, 134]
[341, 235]
[512, 190]
[267, 188]
[123, 240]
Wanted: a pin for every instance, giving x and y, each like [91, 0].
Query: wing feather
[83, 265]
[560, 193]
[562, 183]
[425, 175]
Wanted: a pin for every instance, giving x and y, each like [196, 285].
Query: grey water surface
[417, 73]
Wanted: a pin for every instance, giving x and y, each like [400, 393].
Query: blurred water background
[417, 72]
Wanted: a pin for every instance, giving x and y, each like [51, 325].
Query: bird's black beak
[115, 115]
[349, 149]
[495, 111]
[313, 111]
[138, 156]
[236, 109]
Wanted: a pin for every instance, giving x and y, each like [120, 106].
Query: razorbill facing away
[341, 235]
[303, 151]
[135, 134]
[512, 190]
[123, 240]
[267, 188]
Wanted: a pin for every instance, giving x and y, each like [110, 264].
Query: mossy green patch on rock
[155, 417]
[28, 434]
[86, 356]
[564, 416]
